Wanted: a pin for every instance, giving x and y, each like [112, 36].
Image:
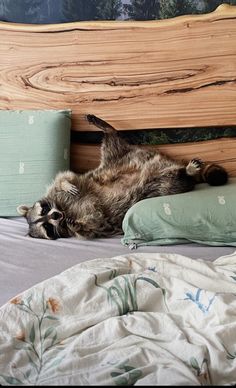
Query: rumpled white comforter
[138, 319]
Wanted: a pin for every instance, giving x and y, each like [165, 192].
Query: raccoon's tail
[214, 175]
[211, 173]
[107, 128]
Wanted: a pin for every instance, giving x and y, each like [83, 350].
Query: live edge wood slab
[170, 73]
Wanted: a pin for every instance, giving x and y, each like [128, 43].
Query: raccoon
[93, 204]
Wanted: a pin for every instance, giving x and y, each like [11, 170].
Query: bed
[95, 312]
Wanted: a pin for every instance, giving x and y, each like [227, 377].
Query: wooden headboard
[170, 73]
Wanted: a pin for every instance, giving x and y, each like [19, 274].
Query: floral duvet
[138, 319]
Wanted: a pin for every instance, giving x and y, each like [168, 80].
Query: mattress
[25, 261]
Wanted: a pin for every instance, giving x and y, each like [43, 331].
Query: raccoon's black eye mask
[45, 208]
[50, 231]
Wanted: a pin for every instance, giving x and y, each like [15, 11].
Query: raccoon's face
[45, 220]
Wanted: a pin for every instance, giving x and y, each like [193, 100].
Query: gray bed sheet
[25, 261]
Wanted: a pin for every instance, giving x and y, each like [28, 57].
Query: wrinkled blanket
[138, 319]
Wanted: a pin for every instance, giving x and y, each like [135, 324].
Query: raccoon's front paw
[69, 188]
[194, 166]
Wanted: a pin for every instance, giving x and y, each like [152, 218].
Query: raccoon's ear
[23, 210]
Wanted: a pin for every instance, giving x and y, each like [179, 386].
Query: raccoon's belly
[121, 184]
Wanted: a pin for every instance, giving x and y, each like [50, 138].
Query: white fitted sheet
[25, 261]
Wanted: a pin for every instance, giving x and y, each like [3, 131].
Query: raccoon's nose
[56, 216]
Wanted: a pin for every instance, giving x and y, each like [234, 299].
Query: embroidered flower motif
[221, 199]
[167, 208]
[31, 120]
[16, 300]
[53, 304]
[21, 336]
[21, 168]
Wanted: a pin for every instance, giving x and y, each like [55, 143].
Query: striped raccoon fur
[93, 204]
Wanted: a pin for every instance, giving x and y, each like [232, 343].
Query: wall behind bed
[152, 77]
[61, 11]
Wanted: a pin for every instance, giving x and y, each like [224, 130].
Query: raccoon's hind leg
[173, 179]
[113, 146]
[194, 167]
[213, 174]
[103, 125]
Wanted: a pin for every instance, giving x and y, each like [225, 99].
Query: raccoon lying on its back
[94, 204]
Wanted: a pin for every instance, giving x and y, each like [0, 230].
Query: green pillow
[206, 215]
[34, 146]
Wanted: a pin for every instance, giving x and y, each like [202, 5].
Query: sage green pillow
[206, 215]
[34, 146]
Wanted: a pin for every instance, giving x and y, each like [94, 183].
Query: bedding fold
[135, 319]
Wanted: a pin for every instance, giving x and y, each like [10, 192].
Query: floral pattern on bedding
[138, 319]
[36, 340]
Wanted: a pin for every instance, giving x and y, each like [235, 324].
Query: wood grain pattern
[223, 151]
[178, 72]
[172, 73]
